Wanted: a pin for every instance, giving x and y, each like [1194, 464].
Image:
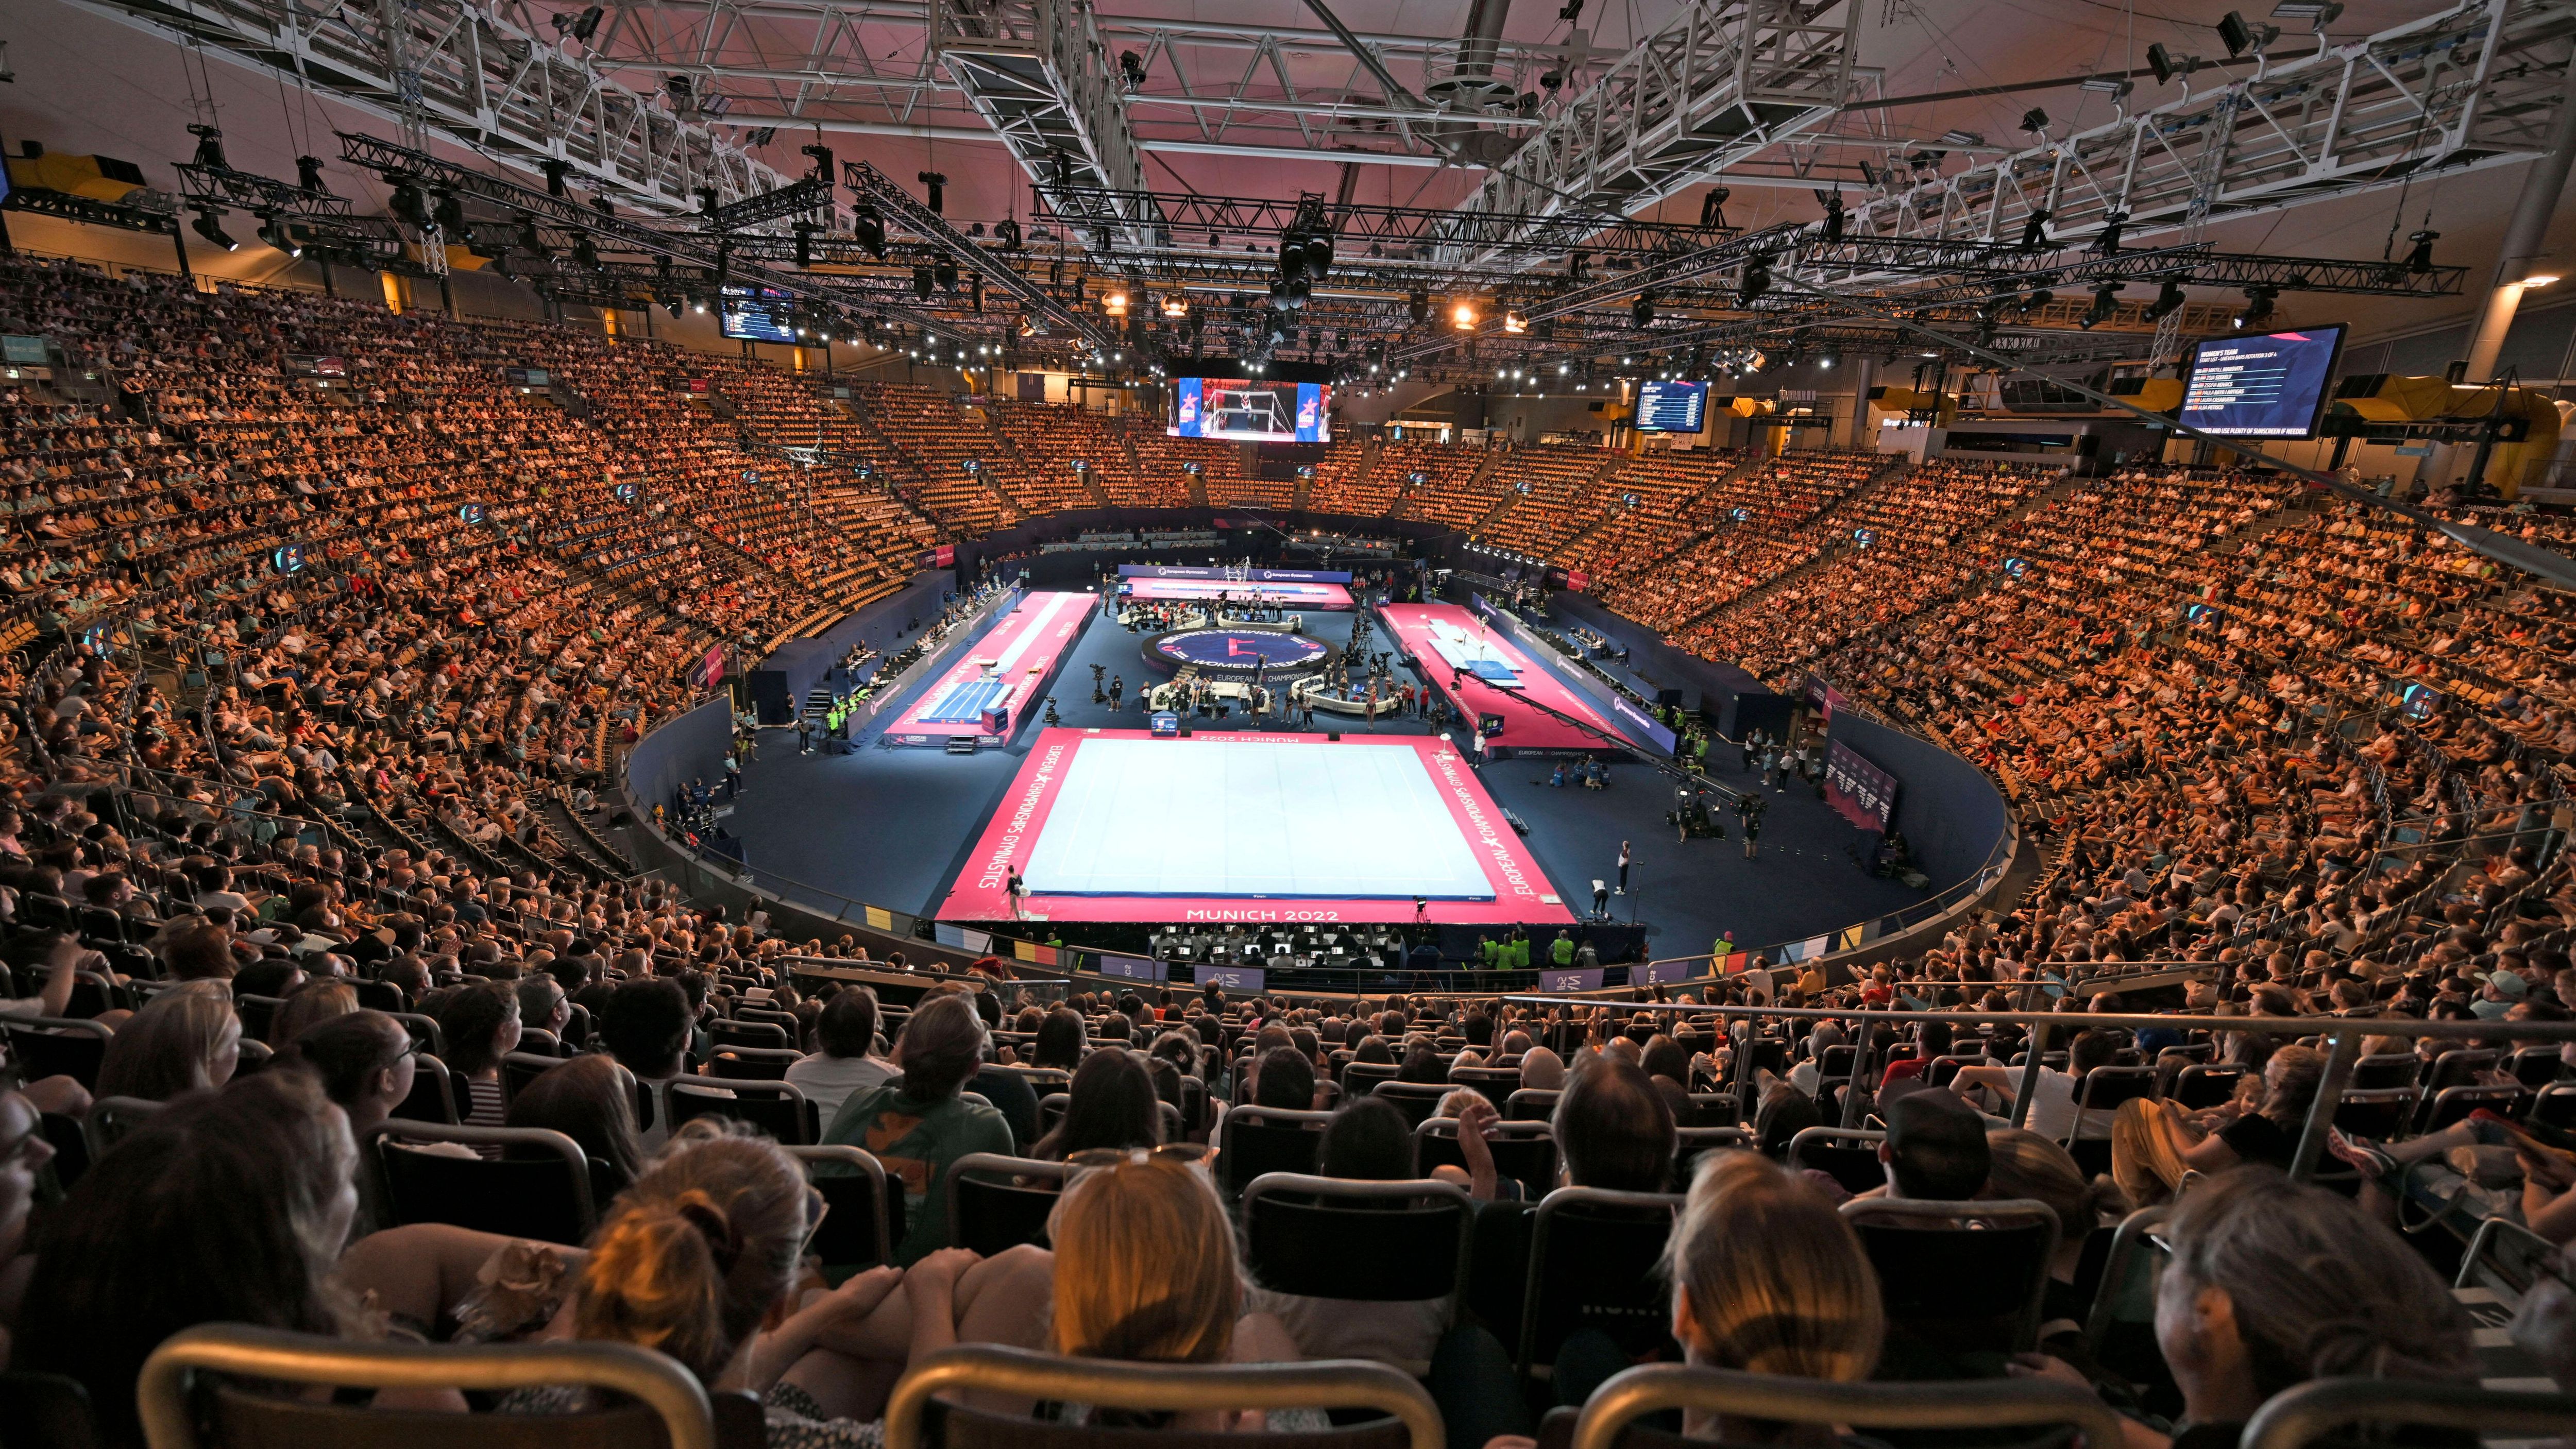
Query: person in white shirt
[2053, 1096]
[847, 1064]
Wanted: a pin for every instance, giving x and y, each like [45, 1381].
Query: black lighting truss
[262, 195]
[1356, 227]
[564, 214]
[897, 206]
[89, 210]
[794, 199]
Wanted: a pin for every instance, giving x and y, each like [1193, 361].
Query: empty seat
[1595, 1259]
[862, 1219]
[777, 1108]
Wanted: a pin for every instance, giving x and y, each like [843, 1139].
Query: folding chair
[997, 1202]
[538, 1188]
[194, 1394]
[1524, 1152]
[1849, 1155]
[1609, 1418]
[920, 1415]
[1255, 1141]
[1594, 1265]
[1959, 1276]
[777, 1108]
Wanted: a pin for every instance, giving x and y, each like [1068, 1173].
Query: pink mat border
[1320, 596]
[1035, 670]
[980, 892]
[1523, 728]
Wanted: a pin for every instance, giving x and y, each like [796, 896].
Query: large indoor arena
[1809, 724]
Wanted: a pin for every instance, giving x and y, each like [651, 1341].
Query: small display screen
[1252, 411]
[2271, 385]
[1672, 407]
[756, 314]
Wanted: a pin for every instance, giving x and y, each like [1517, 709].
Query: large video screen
[1672, 407]
[1257, 412]
[2269, 385]
[756, 314]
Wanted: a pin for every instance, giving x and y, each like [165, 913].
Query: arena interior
[1816, 724]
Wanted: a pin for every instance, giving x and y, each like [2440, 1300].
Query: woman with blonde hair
[1768, 1278]
[183, 1040]
[2023, 1164]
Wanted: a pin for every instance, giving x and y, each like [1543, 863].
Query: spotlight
[206, 226]
[1007, 230]
[2034, 232]
[409, 204]
[2258, 306]
[1131, 68]
[450, 214]
[555, 170]
[272, 233]
[2108, 243]
[1712, 207]
[869, 227]
[1833, 203]
[308, 174]
[921, 282]
[1463, 316]
[945, 274]
[2162, 62]
[2240, 37]
[2106, 305]
[588, 25]
[530, 239]
[1642, 310]
[1757, 280]
[585, 253]
[1513, 324]
[1418, 307]
[2035, 121]
[2168, 298]
[210, 146]
[937, 181]
[2419, 258]
[2037, 301]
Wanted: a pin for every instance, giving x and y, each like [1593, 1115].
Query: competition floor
[1310, 596]
[1009, 666]
[1493, 676]
[1117, 825]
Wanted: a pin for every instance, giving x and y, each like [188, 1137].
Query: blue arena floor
[965, 703]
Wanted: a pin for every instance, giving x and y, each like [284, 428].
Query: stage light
[272, 232]
[869, 227]
[449, 212]
[530, 239]
[2169, 297]
[1463, 316]
[804, 231]
[409, 204]
[2034, 232]
[206, 226]
[2541, 279]
[1642, 310]
[1757, 280]
[588, 25]
[2258, 306]
[937, 181]
[945, 273]
[210, 146]
[2106, 305]
[1417, 306]
[2419, 258]
[1513, 324]
[308, 174]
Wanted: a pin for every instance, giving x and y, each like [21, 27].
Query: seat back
[2387, 1069]
[424, 1030]
[1594, 1263]
[1416, 1100]
[2199, 1086]
[433, 1094]
[1713, 1109]
[188, 1383]
[745, 1063]
[1400, 1412]
[1256, 1141]
[2555, 1107]
[1329, 1237]
[1694, 1142]
[111, 1120]
[1849, 1155]
[1609, 1417]
[1495, 1083]
[2308, 1412]
[2379, 1113]
[49, 1046]
[2105, 1088]
[2454, 1104]
[1358, 1076]
[518, 1069]
[51, 1410]
[1532, 1104]
[2121, 1330]
[1959, 1276]
[777, 1108]
[997, 1202]
[858, 1229]
[1524, 1152]
[538, 1188]
[750, 1033]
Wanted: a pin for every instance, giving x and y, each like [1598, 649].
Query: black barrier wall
[688, 748]
[1947, 809]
